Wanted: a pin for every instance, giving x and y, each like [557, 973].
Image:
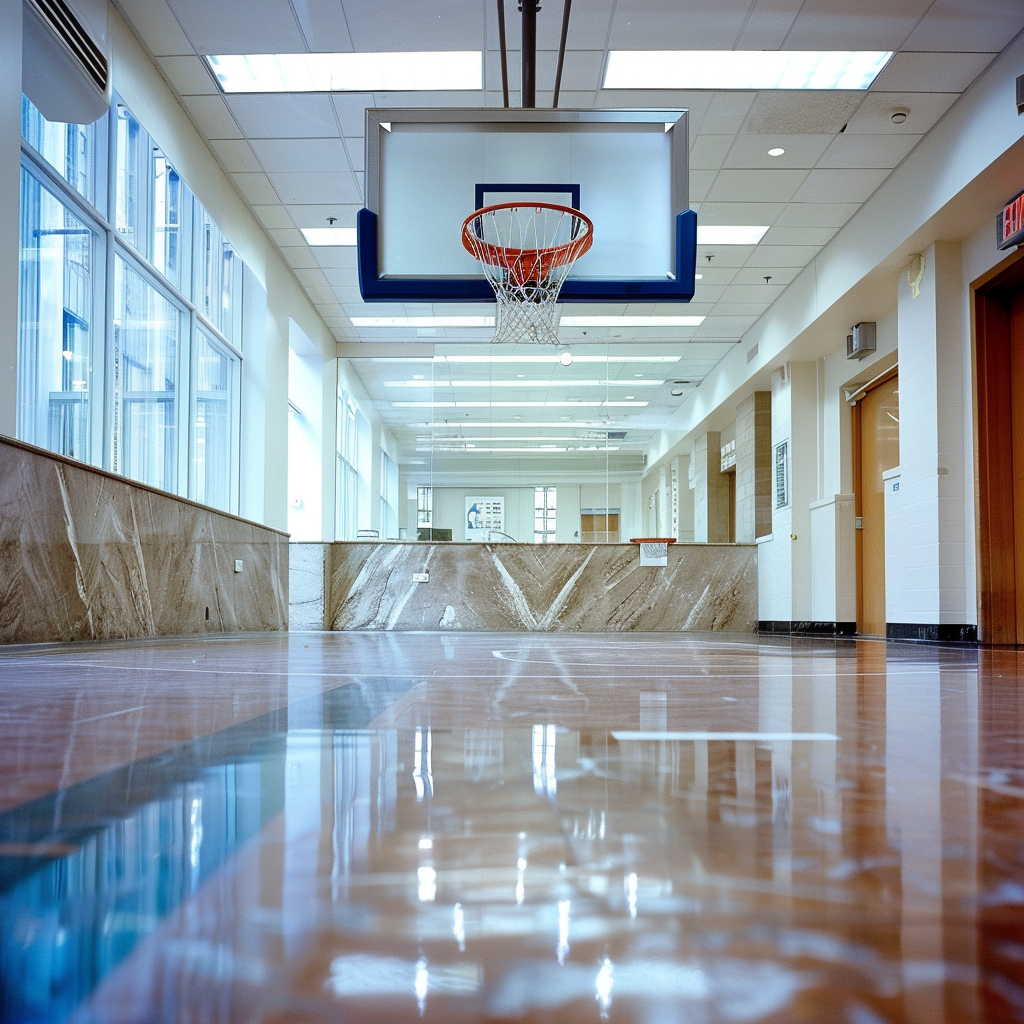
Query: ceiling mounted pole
[561, 51]
[504, 51]
[529, 9]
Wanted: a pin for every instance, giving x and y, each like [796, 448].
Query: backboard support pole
[529, 9]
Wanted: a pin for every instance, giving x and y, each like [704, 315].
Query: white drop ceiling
[298, 160]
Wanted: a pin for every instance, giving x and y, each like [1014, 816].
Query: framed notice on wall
[484, 514]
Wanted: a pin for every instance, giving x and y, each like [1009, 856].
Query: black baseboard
[799, 627]
[956, 633]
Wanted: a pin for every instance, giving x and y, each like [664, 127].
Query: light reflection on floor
[321, 827]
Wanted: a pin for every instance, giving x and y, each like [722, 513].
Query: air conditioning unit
[862, 342]
[65, 65]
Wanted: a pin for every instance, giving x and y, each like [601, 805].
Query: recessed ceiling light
[777, 151]
[677, 392]
[347, 72]
[899, 116]
[330, 236]
[423, 321]
[565, 358]
[730, 234]
[698, 277]
[744, 69]
[637, 374]
[632, 321]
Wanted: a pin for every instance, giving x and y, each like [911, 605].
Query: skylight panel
[744, 69]
[348, 72]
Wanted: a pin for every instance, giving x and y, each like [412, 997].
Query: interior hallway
[404, 826]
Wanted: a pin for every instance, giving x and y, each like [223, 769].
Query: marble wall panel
[542, 588]
[87, 555]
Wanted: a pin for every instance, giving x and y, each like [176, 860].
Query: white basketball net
[527, 253]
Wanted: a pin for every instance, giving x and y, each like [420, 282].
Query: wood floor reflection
[388, 827]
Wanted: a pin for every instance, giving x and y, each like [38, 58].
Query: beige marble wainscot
[89, 555]
[539, 587]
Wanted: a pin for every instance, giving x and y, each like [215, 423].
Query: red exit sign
[1010, 223]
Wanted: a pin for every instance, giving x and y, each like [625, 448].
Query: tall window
[214, 440]
[56, 294]
[388, 497]
[347, 485]
[544, 515]
[424, 507]
[147, 339]
[162, 337]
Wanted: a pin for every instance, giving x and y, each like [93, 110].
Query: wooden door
[999, 376]
[878, 439]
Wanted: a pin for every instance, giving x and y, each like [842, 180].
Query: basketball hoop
[527, 251]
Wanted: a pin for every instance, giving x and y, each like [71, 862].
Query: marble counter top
[536, 587]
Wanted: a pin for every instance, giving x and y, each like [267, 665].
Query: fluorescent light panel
[516, 405]
[631, 321]
[744, 69]
[576, 424]
[550, 449]
[348, 72]
[554, 359]
[554, 383]
[730, 234]
[330, 236]
[423, 321]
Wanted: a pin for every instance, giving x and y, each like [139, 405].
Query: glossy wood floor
[401, 827]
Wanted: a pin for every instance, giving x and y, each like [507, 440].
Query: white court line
[768, 736]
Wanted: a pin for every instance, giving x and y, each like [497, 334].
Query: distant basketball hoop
[527, 251]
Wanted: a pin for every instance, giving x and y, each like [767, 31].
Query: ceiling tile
[798, 236]
[256, 188]
[860, 24]
[299, 257]
[875, 115]
[868, 150]
[287, 116]
[287, 236]
[726, 112]
[154, 22]
[769, 256]
[229, 26]
[801, 112]
[982, 25]
[323, 26]
[306, 155]
[408, 25]
[816, 215]
[676, 24]
[762, 294]
[189, 76]
[739, 213]
[854, 185]
[708, 152]
[802, 151]
[932, 72]
[212, 117]
[316, 216]
[766, 186]
[274, 216]
[335, 257]
[235, 154]
[312, 278]
[768, 24]
[315, 187]
[755, 275]
[724, 256]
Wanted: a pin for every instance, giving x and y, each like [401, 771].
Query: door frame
[998, 593]
[858, 489]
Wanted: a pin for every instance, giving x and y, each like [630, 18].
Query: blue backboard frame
[375, 287]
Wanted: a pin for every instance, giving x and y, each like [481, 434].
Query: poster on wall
[483, 515]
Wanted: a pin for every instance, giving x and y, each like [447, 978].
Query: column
[753, 467]
[710, 491]
[10, 204]
[932, 590]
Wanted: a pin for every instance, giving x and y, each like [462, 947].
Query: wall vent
[70, 32]
[65, 68]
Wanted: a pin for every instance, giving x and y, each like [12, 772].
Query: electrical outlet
[421, 577]
[239, 565]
